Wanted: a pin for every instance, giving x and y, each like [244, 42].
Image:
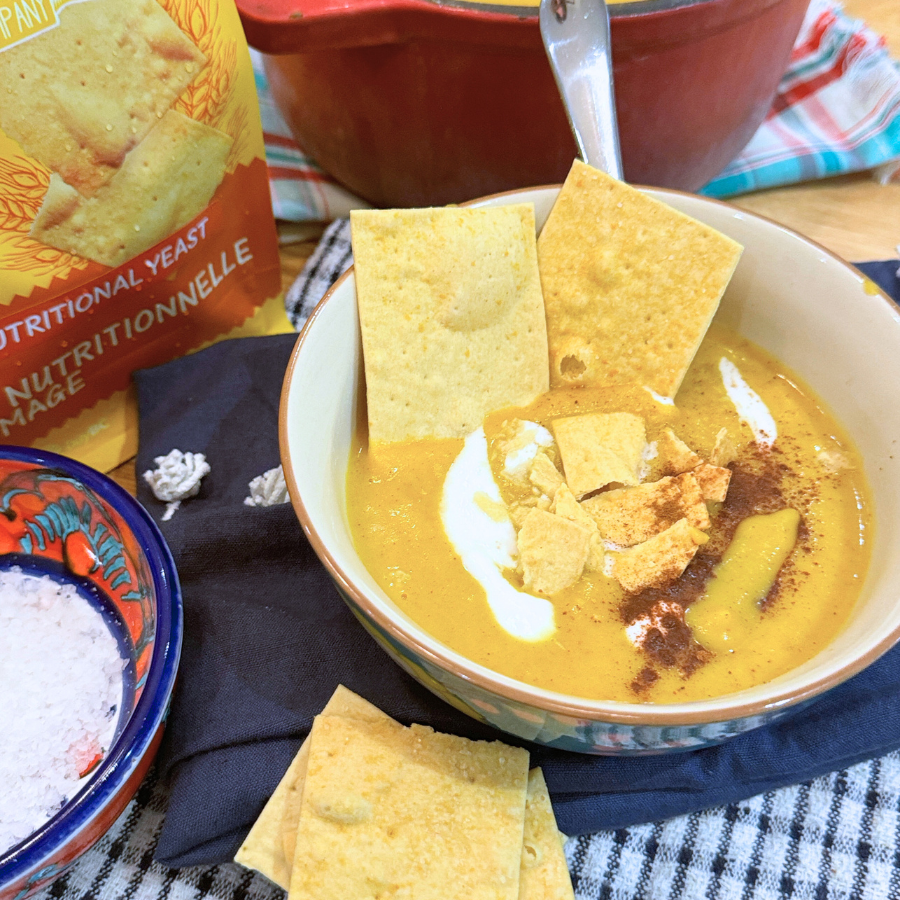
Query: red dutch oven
[417, 103]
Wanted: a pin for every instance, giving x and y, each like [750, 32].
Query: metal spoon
[576, 38]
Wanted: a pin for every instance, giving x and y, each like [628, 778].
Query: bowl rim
[149, 712]
[711, 711]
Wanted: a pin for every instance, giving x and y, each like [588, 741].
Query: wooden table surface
[853, 215]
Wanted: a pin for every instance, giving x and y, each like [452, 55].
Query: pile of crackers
[654, 528]
[369, 808]
[466, 311]
[92, 100]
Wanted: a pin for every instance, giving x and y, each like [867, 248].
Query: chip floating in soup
[599, 538]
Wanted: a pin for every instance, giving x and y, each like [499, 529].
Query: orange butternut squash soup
[772, 585]
[571, 474]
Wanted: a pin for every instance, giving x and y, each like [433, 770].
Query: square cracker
[407, 812]
[600, 448]
[630, 284]
[79, 96]
[166, 181]
[269, 846]
[452, 317]
[544, 874]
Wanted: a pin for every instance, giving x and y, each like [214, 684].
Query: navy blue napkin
[267, 640]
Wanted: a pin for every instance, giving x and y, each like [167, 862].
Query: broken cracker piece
[632, 515]
[675, 454]
[724, 451]
[552, 552]
[713, 481]
[659, 560]
[598, 449]
[565, 505]
[544, 475]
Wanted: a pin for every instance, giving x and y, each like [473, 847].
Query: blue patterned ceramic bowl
[788, 295]
[65, 520]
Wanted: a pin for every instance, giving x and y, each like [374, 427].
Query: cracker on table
[452, 317]
[660, 560]
[165, 181]
[80, 96]
[408, 812]
[632, 515]
[600, 448]
[269, 846]
[553, 551]
[544, 874]
[630, 284]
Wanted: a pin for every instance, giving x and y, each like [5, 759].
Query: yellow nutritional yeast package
[135, 219]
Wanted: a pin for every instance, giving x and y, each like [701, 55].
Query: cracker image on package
[91, 100]
[135, 216]
[79, 96]
[162, 184]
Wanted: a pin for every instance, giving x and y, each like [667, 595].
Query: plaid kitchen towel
[837, 110]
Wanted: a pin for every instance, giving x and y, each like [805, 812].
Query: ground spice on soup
[756, 488]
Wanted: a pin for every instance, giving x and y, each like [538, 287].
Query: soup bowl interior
[812, 311]
[61, 519]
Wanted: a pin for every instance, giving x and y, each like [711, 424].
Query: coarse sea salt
[61, 688]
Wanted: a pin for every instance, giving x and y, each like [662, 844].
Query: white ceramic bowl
[814, 312]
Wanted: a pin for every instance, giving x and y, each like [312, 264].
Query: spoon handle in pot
[576, 38]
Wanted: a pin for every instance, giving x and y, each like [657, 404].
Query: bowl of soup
[417, 103]
[794, 372]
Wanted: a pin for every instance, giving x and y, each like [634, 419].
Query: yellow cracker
[544, 874]
[167, 180]
[713, 481]
[343, 702]
[600, 448]
[633, 515]
[451, 315]
[552, 551]
[262, 849]
[406, 812]
[675, 454]
[660, 560]
[630, 284]
[80, 96]
[724, 450]
[269, 846]
[544, 475]
[565, 505]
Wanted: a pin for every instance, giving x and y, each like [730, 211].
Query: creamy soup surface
[722, 626]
